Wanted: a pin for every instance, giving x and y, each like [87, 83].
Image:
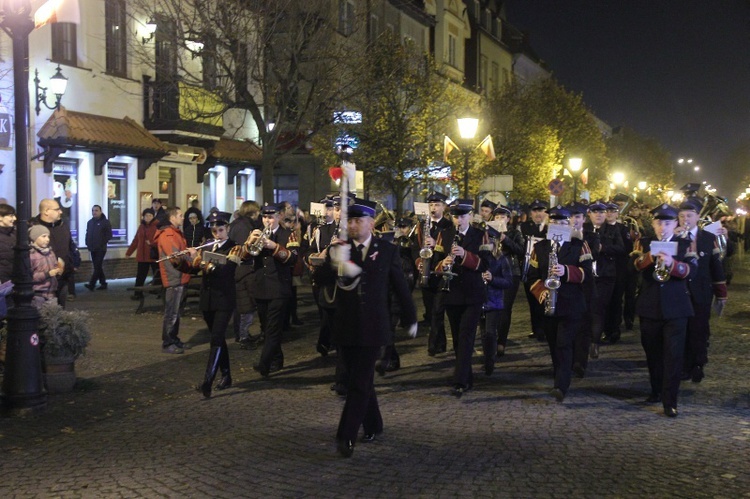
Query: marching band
[577, 263]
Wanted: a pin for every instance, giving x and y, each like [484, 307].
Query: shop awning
[104, 136]
[236, 155]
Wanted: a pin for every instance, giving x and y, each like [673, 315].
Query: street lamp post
[467, 129]
[575, 165]
[22, 387]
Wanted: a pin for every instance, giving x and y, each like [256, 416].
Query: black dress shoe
[558, 394]
[103, 286]
[90, 287]
[322, 350]
[431, 353]
[346, 448]
[369, 437]
[489, 369]
[392, 366]
[205, 389]
[459, 390]
[696, 375]
[671, 412]
[379, 368]
[224, 383]
[578, 370]
[260, 369]
[653, 398]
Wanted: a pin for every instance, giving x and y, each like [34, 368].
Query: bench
[193, 291]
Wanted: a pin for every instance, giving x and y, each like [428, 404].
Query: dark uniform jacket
[467, 287]
[272, 276]
[217, 286]
[611, 247]
[514, 247]
[709, 279]
[576, 256]
[664, 300]
[362, 317]
[443, 233]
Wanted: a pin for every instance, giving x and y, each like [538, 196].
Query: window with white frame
[346, 17]
[115, 21]
[452, 50]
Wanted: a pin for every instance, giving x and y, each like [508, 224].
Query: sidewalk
[135, 426]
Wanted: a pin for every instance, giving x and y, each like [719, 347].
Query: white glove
[349, 269]
[340, 253]
[413, 330]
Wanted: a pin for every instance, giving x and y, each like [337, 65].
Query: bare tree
[272, 69]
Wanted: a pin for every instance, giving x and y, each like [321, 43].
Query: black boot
[211, 368]
[226, 376]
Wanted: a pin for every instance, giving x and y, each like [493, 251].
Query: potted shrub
[64, 337]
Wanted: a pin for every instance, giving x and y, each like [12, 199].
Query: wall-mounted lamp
[150, 29]
[57, 85]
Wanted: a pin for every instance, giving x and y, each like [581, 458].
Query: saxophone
[552, 282]
[425, 253]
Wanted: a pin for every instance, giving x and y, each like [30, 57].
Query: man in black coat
[365, 268]
[513, 247]
[465, 292]
[533, 230]
[664, 306]
[98, 234]
[611, 250]
[571, 271]
[707, 282]
[440, 236]
[271, 284]
[318, 240]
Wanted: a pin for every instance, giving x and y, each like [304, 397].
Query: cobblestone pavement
[135, 426]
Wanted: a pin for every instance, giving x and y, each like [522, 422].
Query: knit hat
[37, 230]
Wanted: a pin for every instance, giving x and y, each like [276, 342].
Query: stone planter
[60, 374]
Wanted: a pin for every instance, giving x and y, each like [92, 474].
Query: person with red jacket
[145, 249]
[174, 276]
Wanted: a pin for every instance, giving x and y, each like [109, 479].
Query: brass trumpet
[256, 248]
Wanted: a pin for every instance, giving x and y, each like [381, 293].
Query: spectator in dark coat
[98, 234]
[194, 231]
[7, 240]
[244, 314]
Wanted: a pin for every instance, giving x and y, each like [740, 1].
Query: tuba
[714, 207]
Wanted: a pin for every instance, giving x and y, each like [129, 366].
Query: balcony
[175, 111]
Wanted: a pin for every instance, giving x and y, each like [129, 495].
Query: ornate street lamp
[22, 387]
[575, 165]
[467, 129]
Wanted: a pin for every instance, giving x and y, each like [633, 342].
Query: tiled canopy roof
[83, 130]
[236, 151]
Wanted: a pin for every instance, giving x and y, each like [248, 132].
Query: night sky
[674, 70]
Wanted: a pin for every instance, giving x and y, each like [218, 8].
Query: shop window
[65, 192]
[117, 194]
